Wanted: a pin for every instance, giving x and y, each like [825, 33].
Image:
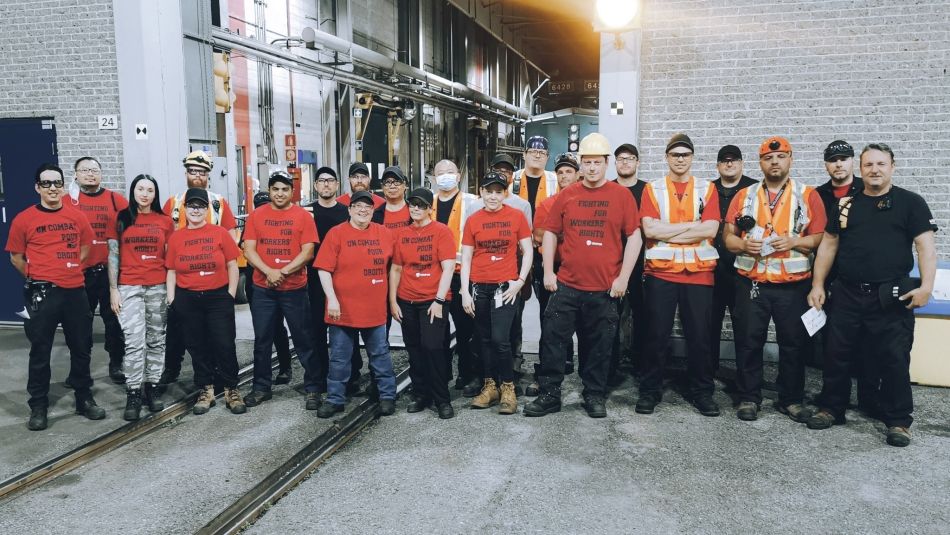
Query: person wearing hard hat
[198, 167]
[594, 217]
[680, 219]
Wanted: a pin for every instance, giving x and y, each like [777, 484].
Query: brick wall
[738, 71]
[57, 58]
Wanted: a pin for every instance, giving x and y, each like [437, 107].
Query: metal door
[25, 144]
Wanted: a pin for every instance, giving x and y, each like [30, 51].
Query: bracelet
[440, 300]
[521, 280]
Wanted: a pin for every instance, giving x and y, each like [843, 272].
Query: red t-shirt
[227, 216]
[279, 237]
[142, 249]
[398, 219]
[100, 209]
[200, 257]
[377, 201]
[420, 252]
[495, 237]
[594, 222]
[540, 216]
[51, 239]
[816, 212]
[359, 262]
[649, 208]
[841, 191]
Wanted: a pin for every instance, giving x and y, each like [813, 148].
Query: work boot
[509, 401]
[823, 419]
[37, 419]
[546, 403]
[446, 411]
[205, 400]
[133, 405]
[533, 389]
[488, 396]
[151, 398]
[747, 411]
[283, 377]
[472, 388]
[647, 403]
[705, 405]
[387, 407]
[417, 405]
[256, 397]
[796, 411]
[898, 436]
[328, 409]
[88, 408]
[169, 376]
[233, 401]
[596, 406]
[115, 373]
[313, 401]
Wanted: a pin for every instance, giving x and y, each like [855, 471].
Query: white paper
[814, 320]
[942, 285]
[756, 233]
[767, 248]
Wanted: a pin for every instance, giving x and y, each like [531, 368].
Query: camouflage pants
[143, 323]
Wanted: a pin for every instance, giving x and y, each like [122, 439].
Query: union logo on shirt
[148, 257]
[496, 258]
[206, 273]
[376, 281]
[594, 243]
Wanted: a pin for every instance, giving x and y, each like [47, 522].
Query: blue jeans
[294, 306]
[342, 340]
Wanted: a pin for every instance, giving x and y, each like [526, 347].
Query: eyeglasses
[196, 206]
[679, 155]
[392, 182]
[626, 159]
[537, 153]
[88, 171]
[198, 172]
[326, 180]
[47, 184]
[727, 162]
[361, 207]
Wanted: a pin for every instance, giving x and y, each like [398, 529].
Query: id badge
[499, 298]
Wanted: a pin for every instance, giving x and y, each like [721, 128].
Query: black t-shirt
[727, 259]
[875, 245]
[637, 190]
[534, 182]
[443, 209]
[327, 218]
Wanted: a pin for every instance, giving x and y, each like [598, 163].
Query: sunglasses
[47, 184]
[679, 155]
[196, 206]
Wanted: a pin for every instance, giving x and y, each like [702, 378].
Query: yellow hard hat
[595, 144]
[198, 158]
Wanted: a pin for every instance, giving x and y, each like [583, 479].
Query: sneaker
[472, 388]
[534, 389]
[37, 419]
[88, 408]
[898, 436]
[328, 409]
[647, 403]
[205, 400]
[546, 403]
[283, 377]
[387, 407]
[596, 406]
[488, 396]
[796, 411]
[313, 401]
[446, 411]
[508, 402]
[747, 411]
[706, 406]
[232, 400]
[417, 405]
[256, 397]
[823, 419]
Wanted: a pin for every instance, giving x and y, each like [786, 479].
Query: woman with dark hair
[137, 291]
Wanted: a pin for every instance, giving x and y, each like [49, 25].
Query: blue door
[25, 144]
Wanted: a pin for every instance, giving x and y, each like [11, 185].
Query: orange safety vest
[666, 257]
[548, 184]
[461, 209]
[213, 215]
[789, 218]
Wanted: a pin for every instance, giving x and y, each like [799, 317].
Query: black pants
[466, 343]
[54, 306]
[207, 318]
[281, 338]
[494, 331]
[784, 304]
[174, 343]
[425, 343]
[694, 300]
[321, 344]
[855, 317]
[724, 296]
[594, 316]
[97, 292]
[544, 296]
[638, 332]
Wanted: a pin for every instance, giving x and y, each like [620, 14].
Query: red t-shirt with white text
[594, 222]
[51, 241]
[280, 236]
[200, 257]
[495, 237]
[142, 249]
[420, 252]
[359, 262]
[100, 209]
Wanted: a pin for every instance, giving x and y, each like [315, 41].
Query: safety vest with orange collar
[789, 218]
[465, 205]
[666, 257]
[214, 210]
[546, 188]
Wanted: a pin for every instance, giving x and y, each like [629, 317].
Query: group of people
[164, 279]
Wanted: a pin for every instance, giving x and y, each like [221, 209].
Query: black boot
[115, 372]
[133, 405]
[86, 406]
[37, 419]
[151, 398]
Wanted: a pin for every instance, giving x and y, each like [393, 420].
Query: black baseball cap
[261, 198]
[680, 139]
[362, 196]
[196, 194]
[494, 178]
[422, 194]
[837, 148]
[567, 159]
[395, 172]
[328, 171]
[358, 168]
[280, 176]
[729, 151]
[502, 159]
[627, 147]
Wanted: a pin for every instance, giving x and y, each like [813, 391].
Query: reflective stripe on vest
[673, 258]
[214, 214]
[792, 209]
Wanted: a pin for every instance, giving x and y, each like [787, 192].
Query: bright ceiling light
[614, 14]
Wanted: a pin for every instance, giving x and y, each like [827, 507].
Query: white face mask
[446, 182]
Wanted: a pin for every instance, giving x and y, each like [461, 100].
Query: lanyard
[778, 196]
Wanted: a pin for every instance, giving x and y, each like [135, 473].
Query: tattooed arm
[114, 298]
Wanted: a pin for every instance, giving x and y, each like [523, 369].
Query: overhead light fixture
[616, 14]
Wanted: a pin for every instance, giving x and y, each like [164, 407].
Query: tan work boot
[205, 400]
[508, 403]
[488, 396]
[233, 401]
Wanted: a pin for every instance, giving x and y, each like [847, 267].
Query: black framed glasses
[392, 182]
[198, 172]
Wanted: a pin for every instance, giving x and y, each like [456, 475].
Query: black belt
[865, 287]
[95, 269]
[490, 287]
